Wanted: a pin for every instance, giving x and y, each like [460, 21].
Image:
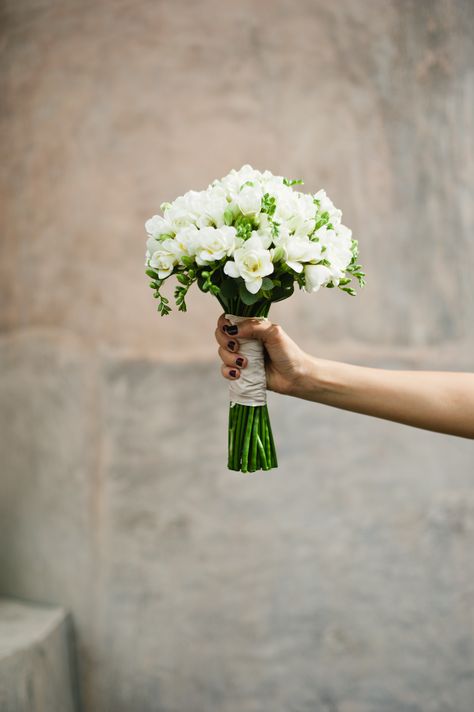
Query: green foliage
[355, 269]
[246, 296]
[229, 288]
[283, 287]
[322, 219]
[163, 305]
[268, 204]
[267, 284]
[244, 225]
[290, 182]
[151, 273]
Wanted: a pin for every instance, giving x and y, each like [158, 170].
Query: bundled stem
[251, 445]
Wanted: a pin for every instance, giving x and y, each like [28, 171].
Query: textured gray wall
[343, 581]
[35, 659]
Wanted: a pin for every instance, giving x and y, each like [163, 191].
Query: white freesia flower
[327, 206]
[187, 240]
[213, 244]
[338, 245]
[296, 211]
[185, 210]
[316, 276]
[252, 262]
[157, 226]
[249, 199]
[165, 258]
[298, 249]
[212, 207]
[233, 182]
[264, 231]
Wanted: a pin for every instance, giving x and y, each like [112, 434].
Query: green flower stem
[240, 429]
[246, 445]
[251, 445]
[256, 422]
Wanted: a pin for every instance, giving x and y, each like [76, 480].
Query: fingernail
[239, 362]
[231, 330]
[233, 373]
[231, 345]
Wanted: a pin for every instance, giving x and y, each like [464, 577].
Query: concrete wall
[36, 659]
[343, 580]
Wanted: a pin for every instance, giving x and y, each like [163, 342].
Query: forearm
[442, 401]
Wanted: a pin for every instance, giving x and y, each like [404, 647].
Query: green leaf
[246, 296]
[229, 288]
[283, 292]
[151, 273]
[267, 284]
[290, 182]
[268, 204]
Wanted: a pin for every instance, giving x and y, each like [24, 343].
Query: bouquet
[248, 239]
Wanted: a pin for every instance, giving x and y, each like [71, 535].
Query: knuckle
[275, 331]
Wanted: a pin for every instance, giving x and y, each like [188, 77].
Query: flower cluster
[250, 236]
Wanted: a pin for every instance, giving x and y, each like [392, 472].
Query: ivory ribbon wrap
[251, 387]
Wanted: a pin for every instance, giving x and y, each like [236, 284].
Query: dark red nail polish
[231, 345]
[233, 373]
[239, 362]
[232, 330]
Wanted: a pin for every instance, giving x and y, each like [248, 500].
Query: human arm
[441, 401]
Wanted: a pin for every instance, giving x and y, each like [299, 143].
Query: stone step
[36, 671]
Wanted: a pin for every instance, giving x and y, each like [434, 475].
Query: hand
[285, 362]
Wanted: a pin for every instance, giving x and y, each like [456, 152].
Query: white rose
[215, 243]
[316, 276]
[165, 258]
[252, 262]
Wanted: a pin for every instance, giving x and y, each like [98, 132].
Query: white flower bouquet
[248, 239]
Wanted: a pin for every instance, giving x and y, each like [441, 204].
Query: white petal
[297, 266]
[254, 285]
[230, 268]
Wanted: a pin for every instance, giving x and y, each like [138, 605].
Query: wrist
[316, 379]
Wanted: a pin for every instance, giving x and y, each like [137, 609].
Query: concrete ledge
[35, 659]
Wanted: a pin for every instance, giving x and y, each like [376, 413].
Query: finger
[232, 374]
[222, 321]
[231, 360]
[227, 342]
[266, 331]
